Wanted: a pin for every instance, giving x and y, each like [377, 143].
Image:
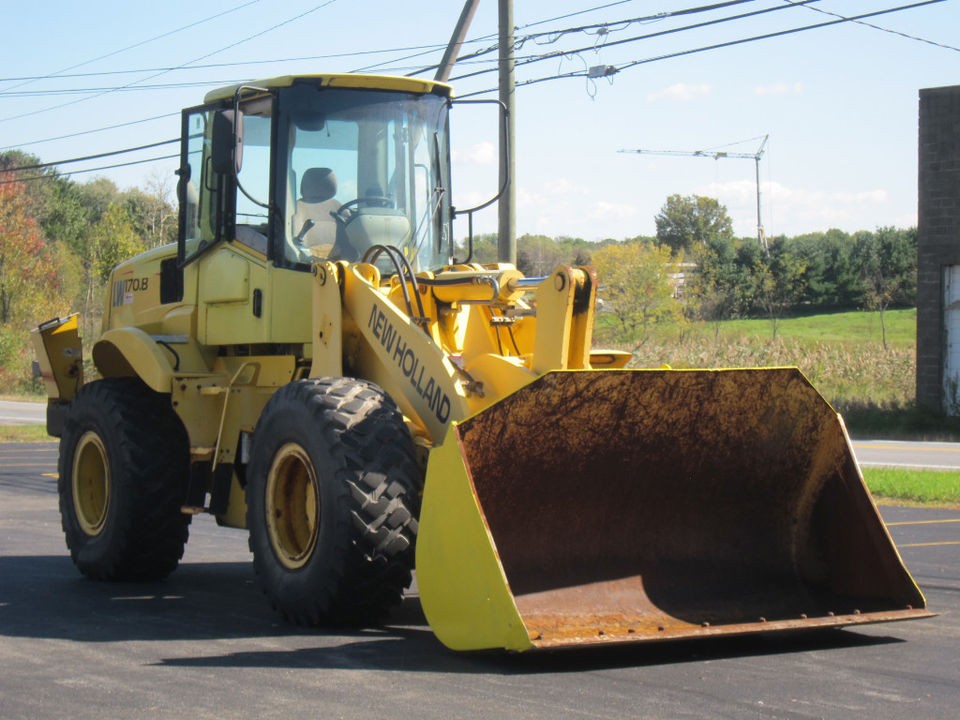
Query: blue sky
[839, 103]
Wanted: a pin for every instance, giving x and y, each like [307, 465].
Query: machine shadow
[44, 597]
[415, 650]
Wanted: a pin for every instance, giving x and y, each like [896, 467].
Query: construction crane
[722, 155]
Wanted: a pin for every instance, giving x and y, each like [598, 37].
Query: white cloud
[791, 211]
[484, 153]
[681, 92]
[564, 186]
[780, 88]
[612, 211]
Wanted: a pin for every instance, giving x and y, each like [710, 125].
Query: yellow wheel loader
[313, 363]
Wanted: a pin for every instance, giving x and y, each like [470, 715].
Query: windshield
[358, 168]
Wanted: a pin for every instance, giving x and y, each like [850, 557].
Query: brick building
[938, 282]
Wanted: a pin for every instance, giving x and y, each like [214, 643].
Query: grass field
[842, 354]
[926, 487]
[24, 433]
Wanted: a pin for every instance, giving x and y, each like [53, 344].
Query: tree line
[60, 238]
[696, 269]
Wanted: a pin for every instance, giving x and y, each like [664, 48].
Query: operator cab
[324, 167]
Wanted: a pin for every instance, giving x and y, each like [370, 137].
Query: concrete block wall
[938, 232]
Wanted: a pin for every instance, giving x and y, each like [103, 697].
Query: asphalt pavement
[22, 413]
[205, 644]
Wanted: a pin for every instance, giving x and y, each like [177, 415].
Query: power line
[219, 66]
[883, 29]
[610, 70]
[91, 132]
[557, 34]
[122, 88]
[202, 57]
[59, 73]
[647, 36]
[41, 166]
[782, 33]
[462, 60]
[56, 175]
[592, 73]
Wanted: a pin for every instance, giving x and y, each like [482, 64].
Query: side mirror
[227, 150]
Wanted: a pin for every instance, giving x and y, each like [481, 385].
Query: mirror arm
[505, 140]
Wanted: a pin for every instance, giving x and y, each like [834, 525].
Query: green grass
[24, 433]
[926, 487]
[858, 328]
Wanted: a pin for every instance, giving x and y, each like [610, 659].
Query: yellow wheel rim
[91, 483]
[293, 506]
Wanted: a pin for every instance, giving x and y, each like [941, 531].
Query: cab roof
[343, 80]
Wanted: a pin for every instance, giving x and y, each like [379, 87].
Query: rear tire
[332, 500]
[124, 463]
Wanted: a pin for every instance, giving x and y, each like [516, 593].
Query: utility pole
[507, 222]
[456, 41]
[721, 155]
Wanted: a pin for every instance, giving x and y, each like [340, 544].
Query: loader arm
[446, 346]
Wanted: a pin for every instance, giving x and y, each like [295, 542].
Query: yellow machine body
[565, 500]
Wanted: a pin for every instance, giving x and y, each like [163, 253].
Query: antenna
[722, 155]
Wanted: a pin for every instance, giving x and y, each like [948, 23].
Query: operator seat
[316, 202]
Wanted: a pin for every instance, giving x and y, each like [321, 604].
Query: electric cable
[610, 70]
[591, 73]
[59, 73]
[648, 36]
[883, 29]
[56, 175]
[202, 57]
[41, 166]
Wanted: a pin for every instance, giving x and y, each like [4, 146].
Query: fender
[130, 352]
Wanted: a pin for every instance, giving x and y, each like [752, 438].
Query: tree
[28, 279]
[831, 276]
[538, 255]
[717, 286]
[888, 262]
[689, 223]
[780, 277]
[484, 248]
[109, 242]
[637, 287]
[152, 215]
[30, 287]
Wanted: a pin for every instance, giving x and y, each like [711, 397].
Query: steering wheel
[348, 211]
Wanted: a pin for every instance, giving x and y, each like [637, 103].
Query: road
[870, 453]
[204, 644]
[22, 413]
[908, 454]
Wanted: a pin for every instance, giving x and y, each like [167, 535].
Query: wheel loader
[313, 362]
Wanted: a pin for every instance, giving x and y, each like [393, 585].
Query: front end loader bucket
[612, 506]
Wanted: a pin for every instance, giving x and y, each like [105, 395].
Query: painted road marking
[892, 446]
[907, 466]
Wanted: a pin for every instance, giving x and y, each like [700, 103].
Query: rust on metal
[630, 506]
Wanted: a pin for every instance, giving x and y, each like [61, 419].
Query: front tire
[332, 500]
[124, 463]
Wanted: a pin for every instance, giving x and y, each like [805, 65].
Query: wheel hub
[293, 506]
[91, 483]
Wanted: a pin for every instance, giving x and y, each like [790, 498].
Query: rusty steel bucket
[643, 505]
